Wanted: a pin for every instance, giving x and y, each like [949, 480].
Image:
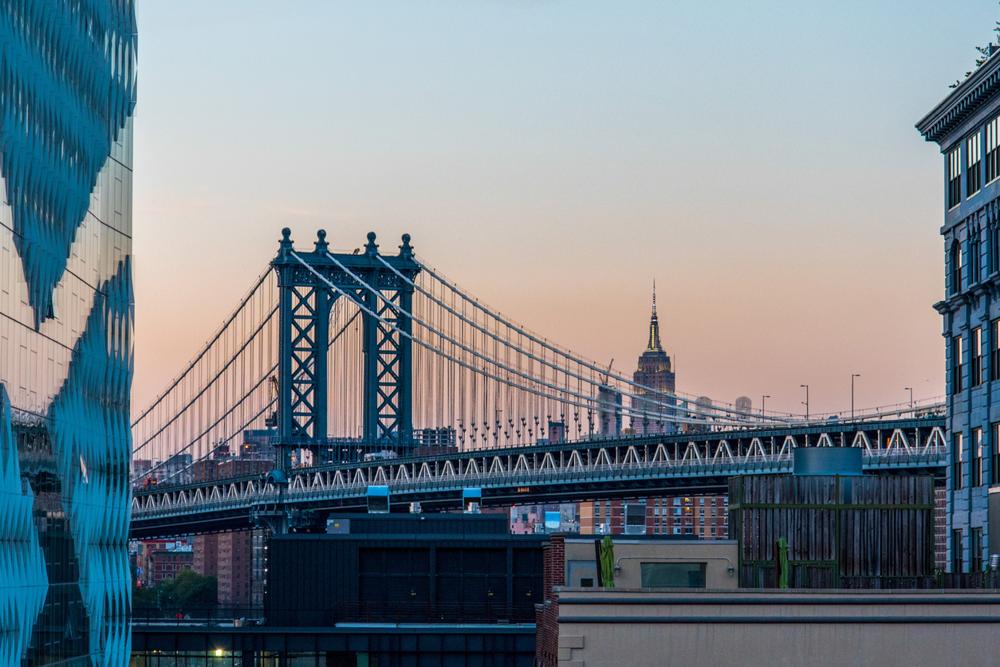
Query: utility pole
[853, 375]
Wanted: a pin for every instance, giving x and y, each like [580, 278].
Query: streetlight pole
[806, 387]
[762, 404]
[853, 375]
[910, 389]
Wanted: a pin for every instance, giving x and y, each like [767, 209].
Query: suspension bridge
[344, 370]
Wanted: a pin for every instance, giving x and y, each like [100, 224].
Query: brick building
[161, 560]
[703, 516]
[230, 556]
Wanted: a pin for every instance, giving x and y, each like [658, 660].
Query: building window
[977, 356]
[995, 444]
[673, 575]
[973, 164]
[995, 350]
[956, 550]
[954, 178]
[975, 260]
[977, 457]
[976, 550]
[993, 251]
[957, 367]
[957, 456]
[993, 149]
[956, 267]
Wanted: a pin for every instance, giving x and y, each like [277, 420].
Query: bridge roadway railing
[916, 444]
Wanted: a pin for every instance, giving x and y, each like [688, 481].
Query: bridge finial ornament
[371, 248]
[285, 245]
[406, 250]
[321, 244]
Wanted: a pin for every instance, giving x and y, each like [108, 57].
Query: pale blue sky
[759, 159]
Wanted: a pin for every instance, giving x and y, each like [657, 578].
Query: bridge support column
[303, 342]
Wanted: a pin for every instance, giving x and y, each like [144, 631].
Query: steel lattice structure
[584, 470]
[336, 358]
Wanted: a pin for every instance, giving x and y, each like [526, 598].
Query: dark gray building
[966, 127]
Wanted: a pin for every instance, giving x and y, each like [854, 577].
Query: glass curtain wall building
[67, 91]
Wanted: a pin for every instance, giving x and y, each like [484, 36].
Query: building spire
[654, 326]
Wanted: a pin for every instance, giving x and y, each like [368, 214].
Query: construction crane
[272, 419]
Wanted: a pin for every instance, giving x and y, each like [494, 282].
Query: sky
[758, 160]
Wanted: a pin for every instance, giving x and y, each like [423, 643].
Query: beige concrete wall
[719, 557]
[647, 628]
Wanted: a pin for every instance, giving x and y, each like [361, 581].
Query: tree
[187, 593]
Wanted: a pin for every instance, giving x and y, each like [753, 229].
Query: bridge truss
[572, 471]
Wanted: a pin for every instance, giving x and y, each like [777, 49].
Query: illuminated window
[973, 164]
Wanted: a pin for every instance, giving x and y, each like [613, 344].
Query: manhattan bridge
[367, 369]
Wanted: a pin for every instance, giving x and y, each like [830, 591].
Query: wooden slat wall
[838, 528]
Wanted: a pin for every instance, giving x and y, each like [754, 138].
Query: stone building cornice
[965, 100]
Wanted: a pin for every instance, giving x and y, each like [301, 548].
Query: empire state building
[653, 410]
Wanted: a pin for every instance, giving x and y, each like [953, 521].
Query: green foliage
[985, 52]
[188, 591]
[607, 563]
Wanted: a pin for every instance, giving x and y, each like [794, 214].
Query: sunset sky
[757, 159]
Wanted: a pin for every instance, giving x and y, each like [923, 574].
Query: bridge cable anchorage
[588, 400]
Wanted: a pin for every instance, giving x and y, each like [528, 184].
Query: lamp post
[806, 387]
[762, 404]
[853, 375]
[910, 389]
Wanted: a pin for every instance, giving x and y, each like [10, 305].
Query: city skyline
[596, 187]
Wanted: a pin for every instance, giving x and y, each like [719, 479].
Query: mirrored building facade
[67, 92]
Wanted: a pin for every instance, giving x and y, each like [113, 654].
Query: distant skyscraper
[653, 410]
[609, 401]
[67, 90]
[744, 405]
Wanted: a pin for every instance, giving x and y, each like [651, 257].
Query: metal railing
[397, 611]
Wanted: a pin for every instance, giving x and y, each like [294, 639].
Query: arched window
[956, 267]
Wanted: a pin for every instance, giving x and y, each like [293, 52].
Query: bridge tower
[309, 282]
